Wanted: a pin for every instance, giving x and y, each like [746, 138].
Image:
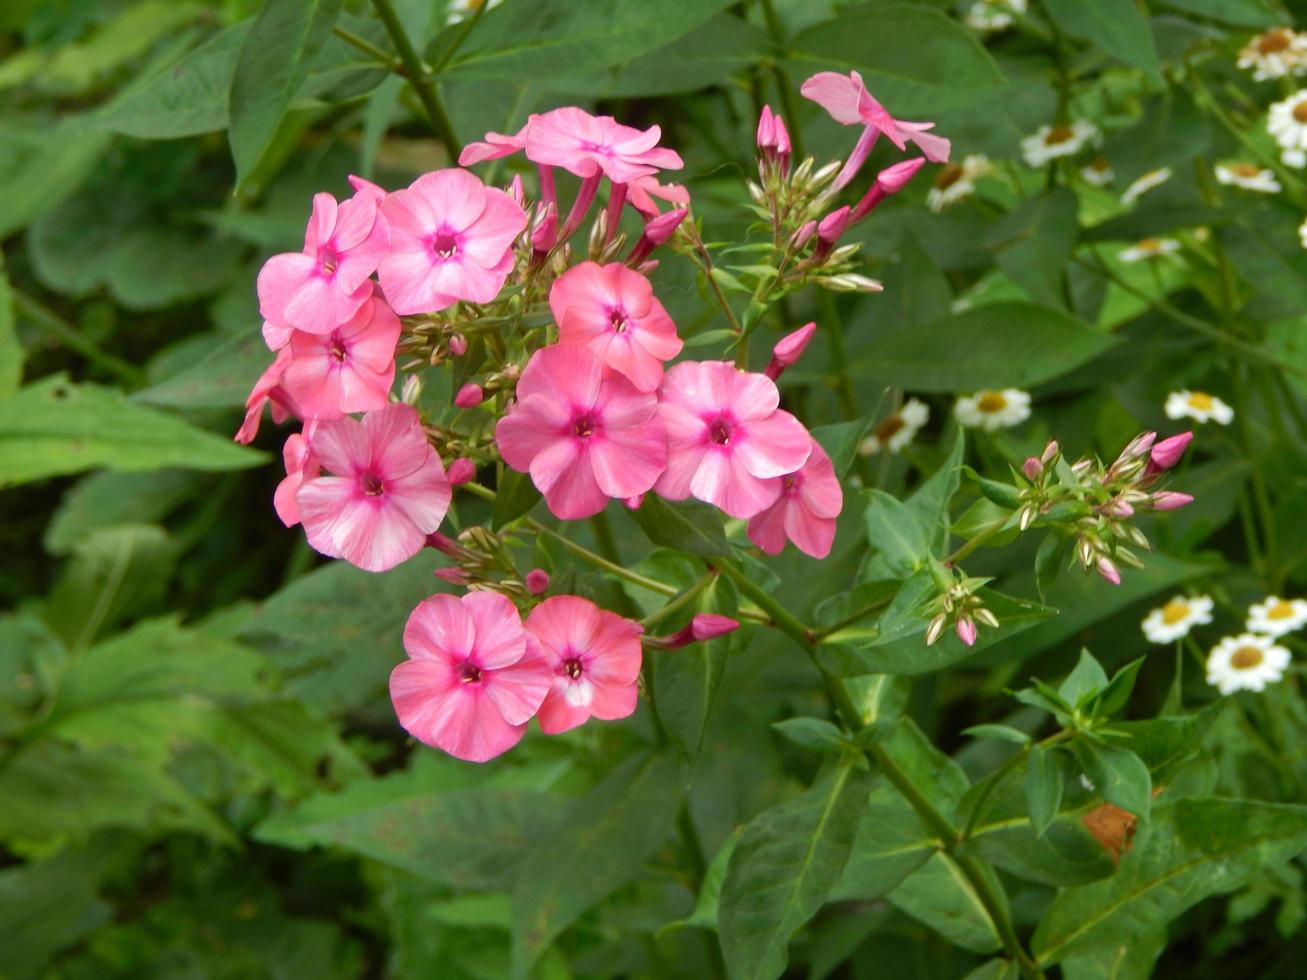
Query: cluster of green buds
[957, 603]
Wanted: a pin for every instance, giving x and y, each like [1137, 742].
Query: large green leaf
[785, 864]
[273, 62]
[604, 840]
[11, 351]
[932, 64]
[105, 499]
[1034, 243]
[899, 538]
[222, 378]
[1118, 27]
[53, 427]
[549, 38]
[41, 163]
[941, 897]
[685, 525]
[1189, 850]
[46, 907]
[998, 345]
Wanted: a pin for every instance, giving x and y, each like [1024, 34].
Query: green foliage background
[200, 773]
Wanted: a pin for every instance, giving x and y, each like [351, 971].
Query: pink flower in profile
[301, 465]
[805, 511]
[348, 370]
[584, 433]
[589, 145]
[726, 438]
[496, 145]
[612, 310]
[594, 657]
[642, 190]
[847, 100]
[469, 686]
[268, 389]
[388, 493]
[451, 239]
[323, 286]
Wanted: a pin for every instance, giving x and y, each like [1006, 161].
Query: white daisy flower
[1148, 248]
[1145, 184]
[1274, 54]
[1302, 233]
[1248, 176]
[990, 410]
[1098, 172]
[989, 16]
[957, 180]
[1199, 406]
[1294, 158]
[1050, 142]
[1174, 620]
[1275, 616]
[895, 431]
[459, 10]
[1286, 120]
[1246, 663]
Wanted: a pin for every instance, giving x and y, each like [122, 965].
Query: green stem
[418, 78]
[452, 50]
[74, 340]
[604, 540]
[600, 562]
[367, 47]
[975, 541]
[681, 601]
[1261, 491]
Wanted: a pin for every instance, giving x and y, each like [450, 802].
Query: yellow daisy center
[1281, 610]
[1274, 41]
[949, 176]
[1174, 611]
[1300, 111]
[889, 427]
[1246, 658]
[1059, 134]
[991, 401]
[1200, 400]
[1099, 164]
[1245, 170]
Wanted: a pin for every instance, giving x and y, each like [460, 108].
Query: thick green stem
[681, 601]
[74, 340]
[367, 47]
[416, 74]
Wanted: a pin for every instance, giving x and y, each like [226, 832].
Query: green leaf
[1118, 775]
[704, 915]
[933, 64]
[840, 440]
[1240, 13]
[1117, 692]
[1043, 788]
[1131, 959]
[1085, 681]
[42, 162]
[999, 345]
[898, 537]
[1002, 733]
[995, 969]
[1051, 560]
[11, 351]
[609, 834]
[1034, 243]
[516, 495]
[1119, 27]
[46, 907]
[816, 734]
[686, 525]
[550, 38]
[222, 378]
[273, 62]
[52, 427]
[1191, 849]
[105, 499]
[687, 683]
[890, 844]
[785, 864]
[930, 501]
[941, 897]
[186, 98]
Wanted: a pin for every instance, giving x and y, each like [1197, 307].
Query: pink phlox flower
[267, 390]
[323, 286]
[496, 145]
[366, 188]
[583, 432]
[805, 510]
[347, 370]
[594, 657]
[301, 465]
[469, 686]
[451, 239]
[612, 310]
[388, 491]
[588, 145]
[642, 190]
[727, 440]
[847, 100]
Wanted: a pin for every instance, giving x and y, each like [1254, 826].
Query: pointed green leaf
[1043, 788]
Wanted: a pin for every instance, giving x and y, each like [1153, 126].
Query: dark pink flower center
[584, 427]
[592, 147]
[337, 349]
[469, 673]
[719, 431]
[790, 483]
[329, 260]
[617, 319]
[572, 668]
[372, 485]
[445, 244]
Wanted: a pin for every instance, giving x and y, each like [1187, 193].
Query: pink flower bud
[470, 395]
[452, 576]
[1032, 468]
[1120, 508]
[461, 471]
[1167, 453]
[544, 235]
[1108, 571]
[633, 503]
[445, 545]
[766, 130]
[782, 140]
[458, 345]
[704, 626]
[537, 581]
[1139, 445]
[516, 191]
[888, 182]
[832, 226]
[788, 349]
[805, 232]
[1049, 453]
[1171, 500]
[966, 629]
[656, 232]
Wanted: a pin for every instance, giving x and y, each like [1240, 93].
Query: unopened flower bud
[1049, 453]
[461, 470]
[458, 345]
[986, 617]
[1032, 468]
[537, 581]
[805, 232]
[1108, 570]
[1120, 508]
[966, 630]
[516, 191]
[788, 349]
[411, 390]
[470, 395]
[1171, 500]
[452, 576]
[656, 232]
[888, 182]
[633, 503]
[830, 228]
[704, 626]
[1167, 453]
[446, 545]
[782, 143]
[767, 131]
[544, 234]
[851, 282]
[1140, 445]
[936, 629]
